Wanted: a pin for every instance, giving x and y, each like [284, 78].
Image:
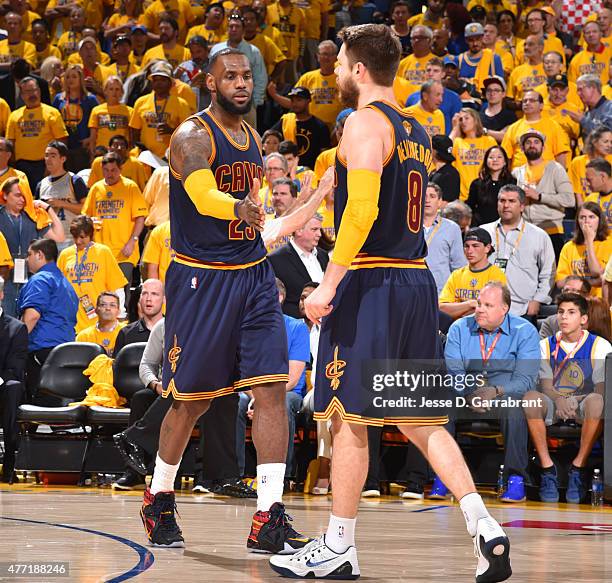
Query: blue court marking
[431, 508]
[146, 557]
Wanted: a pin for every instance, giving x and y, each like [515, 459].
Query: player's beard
[229, 106]
[349, 93]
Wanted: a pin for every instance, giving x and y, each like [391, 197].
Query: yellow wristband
[201, 187]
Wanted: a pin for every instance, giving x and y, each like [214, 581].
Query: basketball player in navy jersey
[224, 328]
[378, 300]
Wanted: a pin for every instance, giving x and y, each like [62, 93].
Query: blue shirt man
[47, 302]
[298, 343]
[505, 350]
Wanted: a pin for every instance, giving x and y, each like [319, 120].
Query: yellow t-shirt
[433, 123]
[402, 89]
[271, 53]
[26, 20]
[551, 43]
[183, 14]
[523, 78]
[23, 50]
[32, 129]
[420, 20]
[328, 225]
[275, 35]
[469, 154]
[265, 194]
[105, 339]
[186, 93]
[325, 103]
[605, 204]
[573, 260]
[121, 71]
[577, 175]
[158, 250]
[5, 112]
[412, 69]
[212, 36]
[557, 141]
[588, 63]
[313, 9]
[98, 271]
[60, 25]
[493, 6]
[559, 114]
[607, 91]
[6, 259]
[132, 168]
[174, 56]
[146, 116]
[464, 284]
[110, 120]
[324, 160]
[505, 55]
[117, 206]
[50, 51]
[572, 94]
[68, 44]
[291, 22]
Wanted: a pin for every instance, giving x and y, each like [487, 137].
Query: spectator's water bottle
[597, 489]
[500, 481]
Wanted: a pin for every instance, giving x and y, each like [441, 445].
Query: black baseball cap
[299, 92]
[478, 234]
[557, 80]
[443, 147]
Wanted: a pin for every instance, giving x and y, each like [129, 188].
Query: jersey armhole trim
[382, 114]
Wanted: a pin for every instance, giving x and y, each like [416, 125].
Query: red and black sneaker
[271, 532]
[157, 515]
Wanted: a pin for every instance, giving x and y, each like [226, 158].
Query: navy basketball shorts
[386, 314]
[224, 331]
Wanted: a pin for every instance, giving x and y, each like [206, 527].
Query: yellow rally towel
[289, 127]
[103, 393]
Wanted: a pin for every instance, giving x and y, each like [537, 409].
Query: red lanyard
[558, 369]
[486, 354]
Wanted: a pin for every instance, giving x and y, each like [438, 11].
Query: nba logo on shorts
[194, 282]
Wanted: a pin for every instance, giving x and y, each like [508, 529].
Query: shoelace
[283, 519]
[167, 522]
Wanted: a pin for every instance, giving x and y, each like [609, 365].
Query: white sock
[340, 533]
[163, 476]
[270, 485]
[473, 509]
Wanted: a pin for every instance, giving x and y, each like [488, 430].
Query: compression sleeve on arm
[359, 215]
[201, 187]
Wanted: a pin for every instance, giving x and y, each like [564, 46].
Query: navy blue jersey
[205, 240]
[397, 232]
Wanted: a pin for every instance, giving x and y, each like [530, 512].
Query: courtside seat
[127, 382]
[62, 376]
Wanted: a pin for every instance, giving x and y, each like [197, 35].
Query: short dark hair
[171, 21]
[61, 147]
[600, 165]
[602, 226]
[223, 53]
[577, 299]
[281, 287]
[41, 22]
[118, 138]
[289, 183]
[513, 188]
[312, 284]
[6, 187]
[274, 133]
[198, 40]
[218, 5]
[505, 291]
[48, 247]
[110, 158]
[82, 224]
[436, 62]
[505, 13]
[586, 284]
[377, 47]
[8, 144]
[109, 294]
[28, 79]
[288, 147]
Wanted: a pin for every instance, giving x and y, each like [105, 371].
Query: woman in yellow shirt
[598, 145]
[588, 252]
[110, 118]
[469, 146]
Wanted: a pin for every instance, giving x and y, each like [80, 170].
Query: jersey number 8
[415, 200]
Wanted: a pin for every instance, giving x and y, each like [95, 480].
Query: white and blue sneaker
[317, 561]
[492, 547]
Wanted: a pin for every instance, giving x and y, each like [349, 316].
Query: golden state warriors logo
[333, 371]
[473, 282]
[407, 126]
[571, 379]
[173, 355]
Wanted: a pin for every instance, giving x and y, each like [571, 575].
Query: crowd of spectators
[517, 99]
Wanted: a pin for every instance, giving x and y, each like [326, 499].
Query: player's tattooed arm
[190, 149]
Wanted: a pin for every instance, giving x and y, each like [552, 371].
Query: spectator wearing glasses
[599, 109]
[495, 115]
[275, 167]
[594, 59]
[536, 23]
[413, 68]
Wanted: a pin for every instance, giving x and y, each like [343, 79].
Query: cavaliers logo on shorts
[174, 355]
[333, 370]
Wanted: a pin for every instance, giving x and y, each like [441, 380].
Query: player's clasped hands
[250, 209]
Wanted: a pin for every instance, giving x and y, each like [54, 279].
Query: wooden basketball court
[99, 534]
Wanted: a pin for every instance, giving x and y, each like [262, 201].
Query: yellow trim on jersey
[261, 380]
[184, 260]
[230, 139]
[386, 118]
[335, 406]
[213, 149]
[363, 261]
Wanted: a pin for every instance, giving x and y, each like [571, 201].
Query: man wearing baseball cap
[445, 175]
[547, 187]
[458, 298]
[553, 66]
[478, 63]
[561, 108]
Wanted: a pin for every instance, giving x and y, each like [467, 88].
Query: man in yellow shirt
[159, 9]
[490, 40]
[413, 67]
[557, 145]
[561, 109]
[595, 59]
[290, 20]
[530, 74]
[42, 42]
[273, 56]
[536, 21]
[118, 210]
[317, 18]
[157, 253]
[31, 128]
[599, 179]
[432, 18]
[157, 114]
[213, 29]
[105, 331]
[427, 111]
[169, 50]
[459, 295]
[92, 269]
[553, 66]
[14, 46]
[157, 195]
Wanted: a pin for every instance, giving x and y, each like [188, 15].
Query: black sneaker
[133, 455]
[130, 480]
[235, 488]
[271, 532]
[157, 515]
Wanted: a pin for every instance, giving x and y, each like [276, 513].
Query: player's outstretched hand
[250, 210]
[305, 191]
[317, 304]
[326, 184]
